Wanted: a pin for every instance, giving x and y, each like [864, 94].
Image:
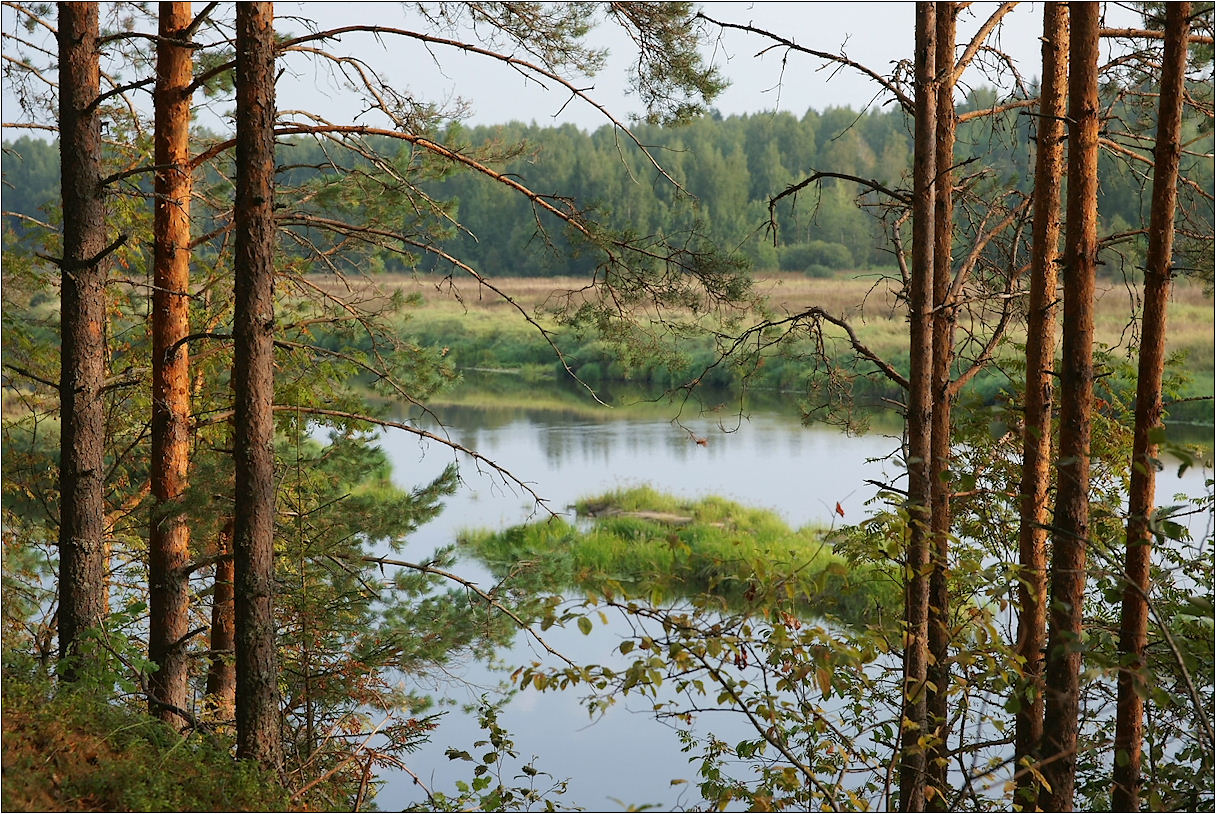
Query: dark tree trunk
[221, 671]
[943, 357]
[1037, 433]
[257, 701]
[168, 546]
[1070, 523]
[1133, 627]
[919, 417]
[82, 549]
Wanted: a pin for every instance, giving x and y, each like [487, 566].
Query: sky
[875, 34]
[762, 79]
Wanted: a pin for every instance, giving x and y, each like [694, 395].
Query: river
[808, 474]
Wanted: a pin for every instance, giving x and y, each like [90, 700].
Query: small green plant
[492, 758]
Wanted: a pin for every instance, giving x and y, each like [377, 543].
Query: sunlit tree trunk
[919, 417]
[1037, 432]
[82, 549]
[1133, 628]
[939, 461]
[257, 668]
[1070, 523]
[168, 545]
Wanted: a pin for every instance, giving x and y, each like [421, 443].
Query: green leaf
[584, 624]
[1200, 606]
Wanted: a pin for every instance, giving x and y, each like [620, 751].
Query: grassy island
[639, 543]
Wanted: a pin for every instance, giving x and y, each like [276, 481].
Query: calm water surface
[769, 460]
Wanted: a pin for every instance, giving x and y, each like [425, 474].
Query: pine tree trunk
[943, 357]
[1133, 627]
[257, 702]
[1037, 432]
[168, 546]
[919, 418]
[1070, 523]
[221, 671]
[82, 548]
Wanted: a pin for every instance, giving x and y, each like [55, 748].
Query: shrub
[79, 751]
[815, 253]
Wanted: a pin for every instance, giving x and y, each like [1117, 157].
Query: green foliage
[672, 77]
[732, 166]
[816, 258]
[813, 697]
[644, 545]
[347, 628]
[987, 469]
[822, 699]
[31, 175]
[83, 749]
[729, 607]
[489, 789]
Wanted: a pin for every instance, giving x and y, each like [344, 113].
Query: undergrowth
[68, 749]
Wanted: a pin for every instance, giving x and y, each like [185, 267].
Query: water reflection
[566, 453]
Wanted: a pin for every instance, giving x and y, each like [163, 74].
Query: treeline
[730, 168]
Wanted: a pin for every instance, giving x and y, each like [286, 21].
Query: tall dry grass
[869, 301]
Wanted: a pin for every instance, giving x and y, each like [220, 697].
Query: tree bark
[1070, 523]
[221, 671]
[257, 702]
[1133, 627]
[169, 541]
[919, 418]
[1037, 431]
[82, 549]
[938, 670]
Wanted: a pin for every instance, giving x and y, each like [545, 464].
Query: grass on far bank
[476, 330]
[482, 331]
[638, 543]
[859, 296]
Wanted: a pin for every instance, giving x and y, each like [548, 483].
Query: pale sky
[875, 34]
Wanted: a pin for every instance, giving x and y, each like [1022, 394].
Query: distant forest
[730, 168]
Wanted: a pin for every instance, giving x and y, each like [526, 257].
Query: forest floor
[76, 751]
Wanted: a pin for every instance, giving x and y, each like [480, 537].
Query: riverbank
[476, 329]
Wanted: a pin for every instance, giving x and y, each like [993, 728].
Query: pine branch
[472, 586]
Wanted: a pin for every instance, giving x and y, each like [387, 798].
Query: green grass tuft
[642, 543]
